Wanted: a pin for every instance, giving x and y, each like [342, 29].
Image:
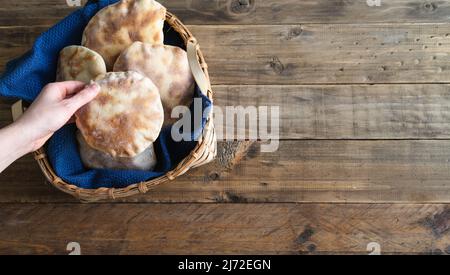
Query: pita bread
[126, 116]
[95, 159]
[79, 63]
[168, 67]
[117, 26]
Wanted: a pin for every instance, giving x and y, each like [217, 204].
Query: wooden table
[365, 138]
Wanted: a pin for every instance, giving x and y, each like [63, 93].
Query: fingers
[83, 97]
[61, 90]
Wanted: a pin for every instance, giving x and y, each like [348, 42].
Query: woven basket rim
[204, 151]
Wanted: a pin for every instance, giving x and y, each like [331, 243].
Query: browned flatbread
[95, 159]
[117, 26]
[126, 116]
[79, 63]
[168, 67]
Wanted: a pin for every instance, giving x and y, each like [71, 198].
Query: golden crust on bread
[117, 26]
[125, 118]
[167, 66]
[79, 63]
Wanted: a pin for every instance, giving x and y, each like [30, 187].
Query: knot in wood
[276, 65]
[241, 6]
[429, 6]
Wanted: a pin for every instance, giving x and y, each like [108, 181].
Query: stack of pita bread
[141, 80]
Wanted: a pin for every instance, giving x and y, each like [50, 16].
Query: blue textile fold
[25, 77]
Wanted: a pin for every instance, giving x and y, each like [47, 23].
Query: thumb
[83, 97]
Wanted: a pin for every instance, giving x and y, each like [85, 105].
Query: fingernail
[93, 87]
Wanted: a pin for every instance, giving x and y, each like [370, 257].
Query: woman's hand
[51, 110]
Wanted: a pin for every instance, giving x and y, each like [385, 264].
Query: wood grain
[326, 53]
[371, 144]
[255, 12]
[306, 54]
[328, 171]
[224, 229]
[274, 49]
[362, 171]
[337, 112]
[345, 111]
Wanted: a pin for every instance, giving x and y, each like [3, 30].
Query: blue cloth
[26, 76]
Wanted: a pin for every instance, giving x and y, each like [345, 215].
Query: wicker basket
[204, 152]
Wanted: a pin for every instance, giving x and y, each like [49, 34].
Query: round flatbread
[117, 26]
[126, 116]
[95, 159]
[79, 63]
[168, 67]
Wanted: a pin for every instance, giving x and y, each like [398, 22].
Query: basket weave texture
[204, 152]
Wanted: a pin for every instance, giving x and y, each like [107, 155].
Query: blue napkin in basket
[25, 76]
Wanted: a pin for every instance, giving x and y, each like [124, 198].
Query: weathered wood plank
[224, 229]
[348, 111]
[5, 112]
[300, 171]
[256, 12]
[306, 54]
[326, 54]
